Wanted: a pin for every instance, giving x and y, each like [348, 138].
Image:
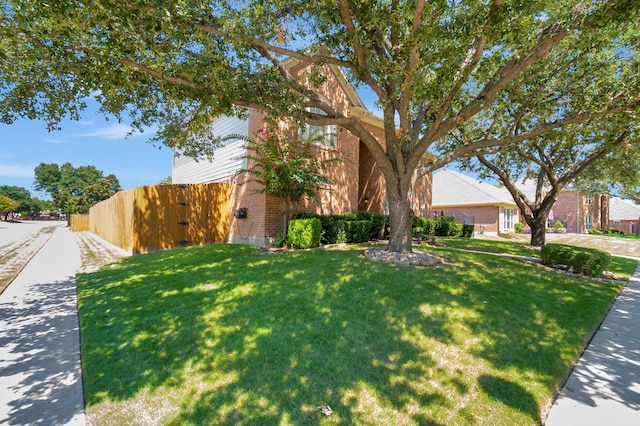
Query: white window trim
[588, 222]
[319, 135]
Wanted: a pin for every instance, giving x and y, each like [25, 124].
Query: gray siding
[227, 161]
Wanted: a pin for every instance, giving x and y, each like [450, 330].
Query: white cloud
[7, 170]
[114, 131]
[55, 141]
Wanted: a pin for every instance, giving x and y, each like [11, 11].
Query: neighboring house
[490, 208]
[624, 215]
[581, 212]
[577, 211]
[355, 185]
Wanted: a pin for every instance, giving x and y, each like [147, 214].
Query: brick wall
[485, 218]
[572, 210]
[358, 183]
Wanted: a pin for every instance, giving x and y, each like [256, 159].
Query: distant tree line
[72, 190]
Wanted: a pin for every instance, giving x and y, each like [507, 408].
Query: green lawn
[491, 246]
[224, 334]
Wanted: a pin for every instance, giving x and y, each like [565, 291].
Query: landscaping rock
[416, 258]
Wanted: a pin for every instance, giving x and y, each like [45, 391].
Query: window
[587, 199]
[509, 214]
[321, 135]
[587, 222]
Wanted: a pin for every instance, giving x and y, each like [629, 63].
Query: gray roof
[620, 209]
[455, 189]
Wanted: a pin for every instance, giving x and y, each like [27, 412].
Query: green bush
[594, 231]
[352, 231]
[586, 261]
[447, 227]
[359, 231]
[518, 227]
[327, 236]
[467, 230]
[419, 222]
[430, 227]
[280, 240]
[335, 229]
[377, 223]
[304, 233]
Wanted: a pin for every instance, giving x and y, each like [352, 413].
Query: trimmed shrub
[558, 227]
[447, 227]
[430, 227]
[336, 230]
[377, 223]
[585, 261]
[419, 222]
[518, 227]
[304, 233]
[467, 231]
[359, 231]
[352, 231]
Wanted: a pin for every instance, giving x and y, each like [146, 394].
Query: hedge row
[360, 227]
[356, 227]
[605, 231]
[446, 226]
[586, 261]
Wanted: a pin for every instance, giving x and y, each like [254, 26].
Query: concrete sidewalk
[40, 377]
[604, 387]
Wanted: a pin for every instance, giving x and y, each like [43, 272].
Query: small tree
[288, 167]
[7, 206]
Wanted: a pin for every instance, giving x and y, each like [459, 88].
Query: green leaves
[74, 188]
[452, 78]
[289, 167]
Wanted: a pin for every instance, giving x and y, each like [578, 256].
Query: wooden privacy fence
[149, 218]
[79, 222]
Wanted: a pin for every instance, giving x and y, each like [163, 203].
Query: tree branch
[158, 74]
[470, 149]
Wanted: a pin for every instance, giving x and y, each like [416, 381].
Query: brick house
[577, 211]
[624, 215]
[490, 208]
[355, 185]
[580, 212]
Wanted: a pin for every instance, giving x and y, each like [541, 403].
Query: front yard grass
[226, 334]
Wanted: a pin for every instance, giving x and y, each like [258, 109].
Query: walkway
[40, 378]
[604, 387]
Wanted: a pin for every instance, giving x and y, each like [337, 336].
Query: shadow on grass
[254, 338]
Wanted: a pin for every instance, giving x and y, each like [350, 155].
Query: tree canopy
[595, 153]
[491, 73]
[74, 189]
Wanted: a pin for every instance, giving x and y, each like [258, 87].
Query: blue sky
[92, 141]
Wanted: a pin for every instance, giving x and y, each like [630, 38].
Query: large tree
[594, 156]
[433, 68]
[74, 189]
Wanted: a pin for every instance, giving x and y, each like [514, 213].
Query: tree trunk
[538, 230]
[400, 222]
